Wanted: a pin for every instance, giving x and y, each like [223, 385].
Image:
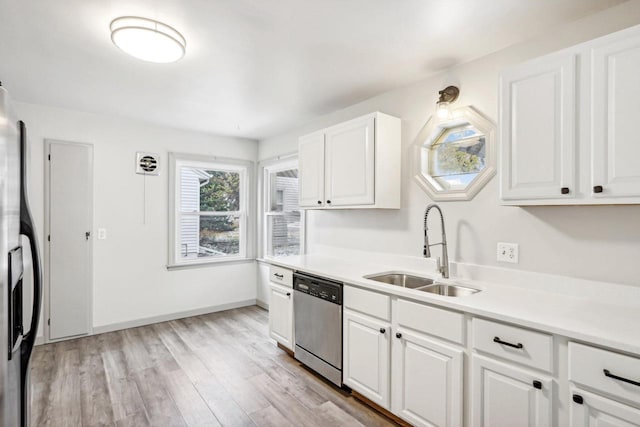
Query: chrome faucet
[444, 268]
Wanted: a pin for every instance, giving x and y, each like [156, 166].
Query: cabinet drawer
[281, 275]
[441, 323]
[524, 346]
[367, 302]
[612, 373]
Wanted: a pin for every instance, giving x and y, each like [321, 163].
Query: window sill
[205, 264]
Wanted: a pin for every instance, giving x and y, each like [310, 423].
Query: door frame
[46, 306]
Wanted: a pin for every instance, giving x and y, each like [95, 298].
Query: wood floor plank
[138, 419]
[158, 351]
[64, 402]
[193, 408]
[182, 354]
[137, 357]
[270, 417]
[96, 406]
[126, 400]
[160, 407]
[224, 407]
[336, 416]
[285, 403]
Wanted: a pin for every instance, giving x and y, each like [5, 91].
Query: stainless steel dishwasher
[317, 314]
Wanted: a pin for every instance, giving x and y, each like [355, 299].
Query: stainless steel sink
[449, 290]
[423, 284]
[401, 279]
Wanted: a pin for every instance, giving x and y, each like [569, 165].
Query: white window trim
[266, 167]
[246, 169]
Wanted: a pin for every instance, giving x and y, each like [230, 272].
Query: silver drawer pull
[608, 373]
[279, 276]
[499, 341]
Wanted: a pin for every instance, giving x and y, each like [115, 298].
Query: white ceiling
[254, 68]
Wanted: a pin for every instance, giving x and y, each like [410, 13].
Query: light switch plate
[102, 233]
[508, 252]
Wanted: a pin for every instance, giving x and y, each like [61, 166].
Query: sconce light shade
[447, 96]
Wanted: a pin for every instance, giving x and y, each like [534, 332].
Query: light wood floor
[216, 369]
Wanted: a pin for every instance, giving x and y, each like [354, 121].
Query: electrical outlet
[102, 233]
[508, 252]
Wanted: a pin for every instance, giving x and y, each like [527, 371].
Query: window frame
[268, 167]
[245, 169]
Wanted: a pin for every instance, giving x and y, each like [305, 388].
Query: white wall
[599, 243]
[131, 281]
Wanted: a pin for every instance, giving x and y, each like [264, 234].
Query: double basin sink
[423, 284]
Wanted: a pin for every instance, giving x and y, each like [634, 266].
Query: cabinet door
[426, 381]
[311, 170]
[506, 396]
[616, 113]
[281, 315]
[365, 365]
[350, 163]
[537, 129]
[590, 410]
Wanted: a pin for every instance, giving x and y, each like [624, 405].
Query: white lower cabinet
[426, 380]
[504, 395]
[413, 374]
[366, 351]
[590, 410]
[281, 314]
[409, 357]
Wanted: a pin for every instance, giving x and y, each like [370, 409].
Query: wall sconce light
[447, 96]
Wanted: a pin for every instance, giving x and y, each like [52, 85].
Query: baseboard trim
[172, 316]
[39, 340]
[262, 304]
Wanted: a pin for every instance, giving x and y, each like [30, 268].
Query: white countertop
[613, 323]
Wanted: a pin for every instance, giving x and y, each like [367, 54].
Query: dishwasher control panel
[318, 287]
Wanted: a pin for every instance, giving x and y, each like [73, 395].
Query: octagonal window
[455, 158]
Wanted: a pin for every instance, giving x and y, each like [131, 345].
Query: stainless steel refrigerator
[17, 334]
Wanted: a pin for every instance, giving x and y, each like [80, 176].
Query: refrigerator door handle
[28, 340]
[27, 229]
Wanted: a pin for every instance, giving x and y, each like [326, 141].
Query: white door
[70, 245]
[590, 410]
[504, 395]
[537, 129]
[616, 113]
[311, 170]
[350, 163]
[281, 314]
[365, 365]
[426, 381]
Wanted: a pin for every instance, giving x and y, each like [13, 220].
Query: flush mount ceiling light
[447, 96]
[147, 39]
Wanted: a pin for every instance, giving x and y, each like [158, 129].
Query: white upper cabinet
[355, 164]
[311, 169]
[567, 125]
[615, 115]
[537, 101]
[350, 163]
